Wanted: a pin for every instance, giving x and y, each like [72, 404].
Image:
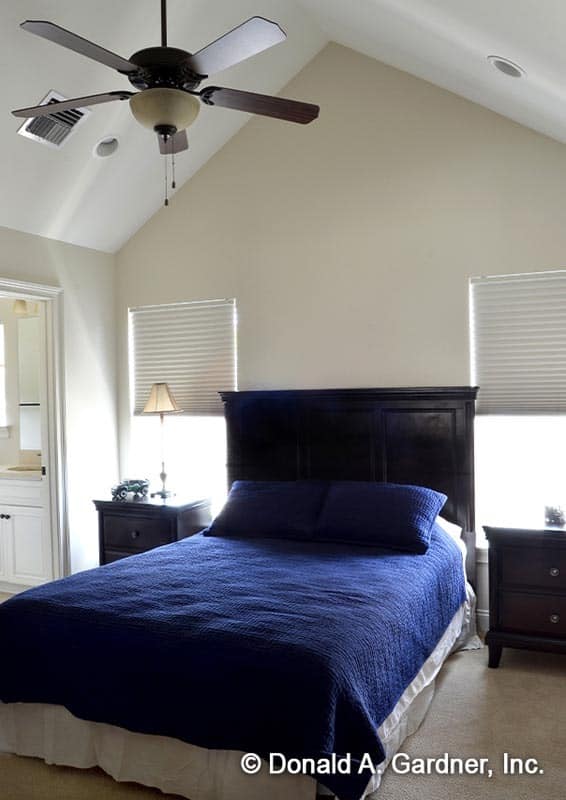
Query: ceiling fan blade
[248, 39]
[174, 144]
[280, 107]
[48, 30]
[66, 105]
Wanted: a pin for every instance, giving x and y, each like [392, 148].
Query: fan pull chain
[173, 182]
[166, 183]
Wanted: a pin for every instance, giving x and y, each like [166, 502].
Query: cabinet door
[26, 534]
[4, 551]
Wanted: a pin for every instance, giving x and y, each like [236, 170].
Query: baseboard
[482, 616]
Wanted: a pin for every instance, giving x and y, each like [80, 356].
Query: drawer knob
[135, 534]
[555, 618]
[555, 572]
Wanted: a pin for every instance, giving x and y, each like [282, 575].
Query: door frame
[56, 461]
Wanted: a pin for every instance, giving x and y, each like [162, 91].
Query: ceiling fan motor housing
[164, 66]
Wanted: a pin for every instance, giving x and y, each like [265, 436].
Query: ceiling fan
[168, 78]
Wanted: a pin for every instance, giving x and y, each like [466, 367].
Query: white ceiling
[71, 196]
[447, 43]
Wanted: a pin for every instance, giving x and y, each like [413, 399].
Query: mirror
[29, 339]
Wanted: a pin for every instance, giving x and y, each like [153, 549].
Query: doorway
[33, 533]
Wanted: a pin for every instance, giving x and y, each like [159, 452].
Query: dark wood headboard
[421, 436]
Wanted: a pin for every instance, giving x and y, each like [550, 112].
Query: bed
[166, 667]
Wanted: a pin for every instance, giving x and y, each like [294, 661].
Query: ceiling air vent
[55, 129]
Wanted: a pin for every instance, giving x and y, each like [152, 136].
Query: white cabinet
[25, 540]
[26, 545]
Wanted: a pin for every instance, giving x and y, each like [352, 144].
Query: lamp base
[163, 493]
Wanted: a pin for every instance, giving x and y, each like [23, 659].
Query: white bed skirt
[54, 735]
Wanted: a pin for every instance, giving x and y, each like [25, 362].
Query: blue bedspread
[253, 645]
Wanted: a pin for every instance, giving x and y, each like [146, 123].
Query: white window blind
[191, 347]
[518, 342]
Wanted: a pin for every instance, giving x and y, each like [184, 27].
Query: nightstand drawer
[534, 613]
[135, 533]
[544, 567]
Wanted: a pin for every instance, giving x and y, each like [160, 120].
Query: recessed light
[507, 67]
[106, 147]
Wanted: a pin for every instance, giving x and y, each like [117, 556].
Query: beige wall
[349, 243]
[87, 278]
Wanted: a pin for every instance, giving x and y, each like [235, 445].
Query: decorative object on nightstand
[161, 402]
[135, 526]
[139, 487]
[527, 590]
[554, 515]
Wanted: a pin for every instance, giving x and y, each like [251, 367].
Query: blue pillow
[270, 509]
[390, 515]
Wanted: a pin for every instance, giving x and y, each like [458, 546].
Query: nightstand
[527, 590]
[129, 527]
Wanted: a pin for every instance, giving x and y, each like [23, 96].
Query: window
[192, 348]
[518, 355]
[519, 469]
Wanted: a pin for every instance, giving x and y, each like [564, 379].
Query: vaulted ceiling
[68, 194]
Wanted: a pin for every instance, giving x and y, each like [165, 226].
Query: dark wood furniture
[410, 435]
[129, 527]
[527, 590]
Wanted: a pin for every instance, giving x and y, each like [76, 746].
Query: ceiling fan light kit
[165, 110]
[167, 80]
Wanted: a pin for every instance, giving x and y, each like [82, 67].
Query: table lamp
[161, 402]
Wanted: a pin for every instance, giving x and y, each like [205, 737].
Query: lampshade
[168, 108]
[160, 400]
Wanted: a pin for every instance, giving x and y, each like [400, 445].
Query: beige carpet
[29, 779]
[519, 708]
